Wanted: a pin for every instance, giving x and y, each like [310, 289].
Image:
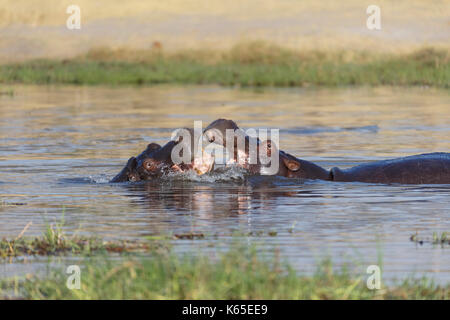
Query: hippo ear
[131, 163]
[291, 164]
[153, 146]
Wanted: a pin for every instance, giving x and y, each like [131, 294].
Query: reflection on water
[61, 145]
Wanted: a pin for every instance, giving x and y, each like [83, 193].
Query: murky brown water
[61, 145]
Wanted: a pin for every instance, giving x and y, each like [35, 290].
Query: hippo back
[430, 168]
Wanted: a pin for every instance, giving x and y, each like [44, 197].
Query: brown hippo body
[155, 160]
[428, 168]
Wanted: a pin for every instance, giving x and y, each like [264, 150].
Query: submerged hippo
[156, 161]
[130, 172]
[431, 168]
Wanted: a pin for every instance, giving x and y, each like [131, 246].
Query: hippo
[429, 168]
[130, 171]
[156, 160]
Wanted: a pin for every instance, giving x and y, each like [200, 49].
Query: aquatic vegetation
[75, 245]
[54, 242]
[189, 236]
[251, 64]
[441, 239]
[4, 203]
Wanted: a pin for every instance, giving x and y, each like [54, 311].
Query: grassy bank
[150, 269]
[233, 275]
[240, 273]
[251, 64]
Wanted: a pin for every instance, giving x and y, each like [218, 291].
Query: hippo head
[216, 130]
[227, 134]
[175, 156]
[245, 151]
[130, 172]
[288, 165]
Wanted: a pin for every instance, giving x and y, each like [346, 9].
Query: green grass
[74, 245]
[149, 269]
[441, 239]
[239, 273]
[54, 242]
[252, 64]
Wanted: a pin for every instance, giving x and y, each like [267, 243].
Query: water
[61, 145]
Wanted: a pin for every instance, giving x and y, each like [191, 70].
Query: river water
[61, 145]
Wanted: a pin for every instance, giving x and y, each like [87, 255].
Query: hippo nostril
[148, 165]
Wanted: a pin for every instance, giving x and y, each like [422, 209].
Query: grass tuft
[54, 242]
[436, 239]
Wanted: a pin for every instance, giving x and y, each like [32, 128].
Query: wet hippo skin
[130, 171]
[430, 168]
[156, 160]
[153, 162]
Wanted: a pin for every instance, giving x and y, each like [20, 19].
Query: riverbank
[249, 64]
[238, 273]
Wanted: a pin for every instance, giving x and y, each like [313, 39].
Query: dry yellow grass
[32, 29]
[260, 52]
[51, 12]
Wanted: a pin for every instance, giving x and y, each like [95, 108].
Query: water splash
[231, 173]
